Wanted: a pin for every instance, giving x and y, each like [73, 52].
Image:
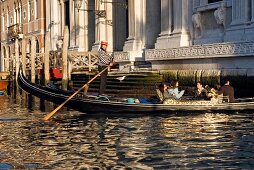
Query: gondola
[93, 104]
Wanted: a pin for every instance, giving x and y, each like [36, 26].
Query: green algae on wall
[210, 77]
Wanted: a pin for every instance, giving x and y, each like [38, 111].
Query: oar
[48, 116]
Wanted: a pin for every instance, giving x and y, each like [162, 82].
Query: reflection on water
[77, 141]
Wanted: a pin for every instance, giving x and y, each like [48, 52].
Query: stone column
[252, 11]
[82, 37]
[100, 28]
[166, 23]
[153, 20]
[174, 31]
[240, 16]
[48, 15]
[20, 15]
[137, 23]
[2, 62]
[8, 57]
[109, 25]
[239, 12]
[72, 24]
[250, 19]
[55, 23]
[166, 18]
[62, 16]
[33, 53]
[177, 16]
[65, 78]
[16, 45]
[46, 59]
[185, 33]
[23, 51]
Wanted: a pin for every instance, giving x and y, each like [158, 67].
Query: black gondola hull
[87, 105]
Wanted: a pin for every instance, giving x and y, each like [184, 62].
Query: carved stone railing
[202, 51]
[28, 61]
[55, 59]
[83, 60]
[14, 31]
[39, 60]
[121, 56]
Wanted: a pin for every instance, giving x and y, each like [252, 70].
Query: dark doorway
[67, 14]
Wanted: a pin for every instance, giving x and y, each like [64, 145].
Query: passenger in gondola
[227, 90]
[213, 92]
[200, 92]
[162, 92]
[174, 91]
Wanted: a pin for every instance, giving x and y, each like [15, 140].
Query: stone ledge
[202, 51]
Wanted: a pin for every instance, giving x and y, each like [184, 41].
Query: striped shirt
[104, 58]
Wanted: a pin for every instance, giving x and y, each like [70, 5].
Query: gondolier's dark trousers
[103, 79]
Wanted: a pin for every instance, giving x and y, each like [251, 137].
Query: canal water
[72, 140]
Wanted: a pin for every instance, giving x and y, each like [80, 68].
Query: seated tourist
[173, 90]
[200, 92]
[162, 92]
[227, 90]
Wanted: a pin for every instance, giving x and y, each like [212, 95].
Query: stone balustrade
[121, 56]
[83, 60]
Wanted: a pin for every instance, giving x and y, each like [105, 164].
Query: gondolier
[104, 60]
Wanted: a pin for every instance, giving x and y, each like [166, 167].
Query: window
[24, 15]
[11, 21]
[212, 1]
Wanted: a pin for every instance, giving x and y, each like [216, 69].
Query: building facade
[20, 20]
[169, 34]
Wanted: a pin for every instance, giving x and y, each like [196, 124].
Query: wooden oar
[48, 116]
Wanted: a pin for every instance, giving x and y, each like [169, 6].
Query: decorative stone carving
[59, 44]
[202, 51]
[39, 60]
[121, 56]
[196, 20]
[220, 15]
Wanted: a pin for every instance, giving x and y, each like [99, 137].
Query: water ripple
[77, 141]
